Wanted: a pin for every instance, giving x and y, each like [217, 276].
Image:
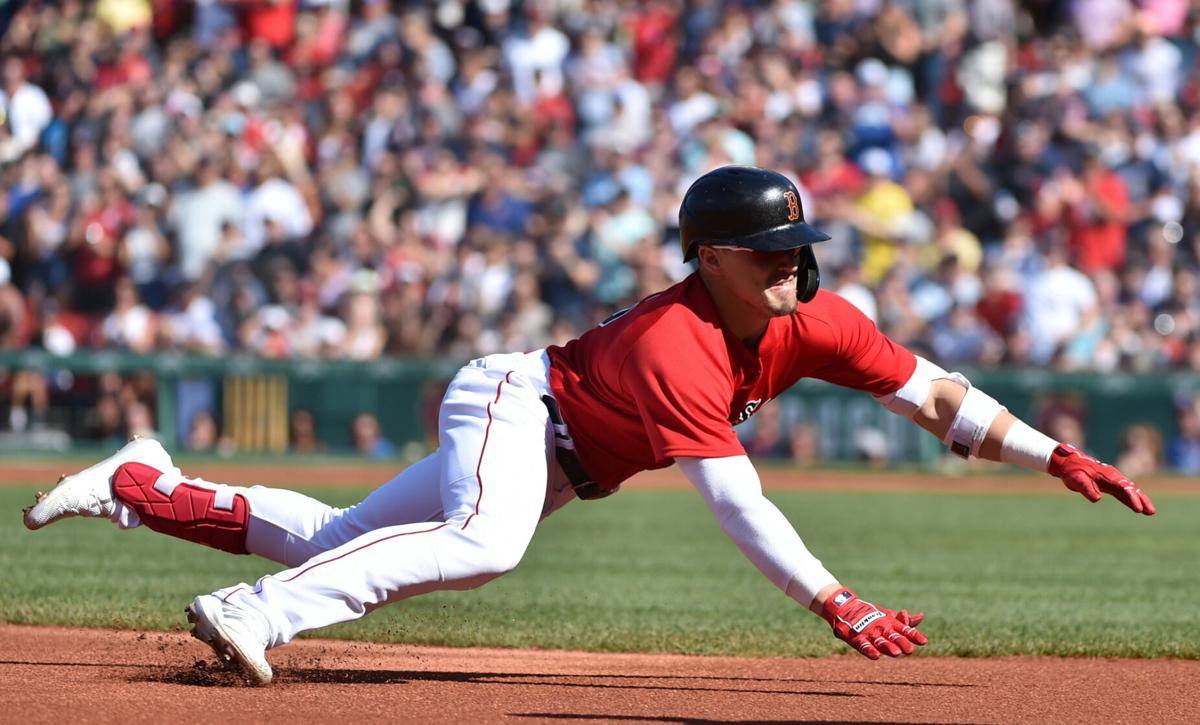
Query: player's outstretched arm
[731, 488]
[972, 423]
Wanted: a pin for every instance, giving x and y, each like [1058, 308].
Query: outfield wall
[252, 400]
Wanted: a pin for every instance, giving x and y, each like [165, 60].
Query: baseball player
[664, 381]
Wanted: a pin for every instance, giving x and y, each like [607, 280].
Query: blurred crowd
[1006, 183]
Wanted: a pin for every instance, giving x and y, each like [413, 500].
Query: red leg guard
[183, 508]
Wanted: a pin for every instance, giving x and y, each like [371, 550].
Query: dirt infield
[56, 675]
[371, 474]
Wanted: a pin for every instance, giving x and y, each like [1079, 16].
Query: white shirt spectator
[131, 329]
[494, 285]
[632, 124]
[541, 51]
[144, 253]
[1057, 304]
[594, 72]
[1156, 65]
[1099, 22]
[197, 217]
[862, 298]
[687, 113]
[29, 113]
[195, 327]
[281, 202]
[316, 334]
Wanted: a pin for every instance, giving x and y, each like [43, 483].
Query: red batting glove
[1080, 472]
[870, 629]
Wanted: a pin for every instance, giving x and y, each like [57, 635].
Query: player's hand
[1080, 472]
[872, 631]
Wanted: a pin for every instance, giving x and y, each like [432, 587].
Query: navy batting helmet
[745, 206]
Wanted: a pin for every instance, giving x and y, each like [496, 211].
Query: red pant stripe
[486, 432]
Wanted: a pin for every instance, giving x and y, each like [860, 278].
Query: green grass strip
[650, 571]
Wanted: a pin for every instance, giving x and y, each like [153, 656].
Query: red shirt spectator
[654, 43]
[1000, 309]
[1096, 220]
[271, 20]
[837, 178]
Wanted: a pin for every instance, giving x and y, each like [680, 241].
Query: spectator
[961, 337]
[804, 444]
[871, 447]
[769, 437]
[198, 217]
[878, 213]
[107, 425]
[1183, 452]
[535, 56]
[139, 420]
[30, 393]
[270, 21]
[1141, 451]
[144, 252]
[1060, 303]
[368, 438]
[1064, 416]
[202, 436]
[25, 108]
[848, 284]
[364, 333]
[131, 325]
[15, 322]
[1097, 210]
[191, 324]
[302, 432]
[274, 200]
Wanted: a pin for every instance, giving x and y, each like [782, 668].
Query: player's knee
[503, 560]
[482, 555]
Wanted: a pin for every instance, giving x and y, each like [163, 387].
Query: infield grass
[651, 571]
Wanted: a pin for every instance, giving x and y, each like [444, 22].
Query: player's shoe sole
[89, 492]
[232, 636]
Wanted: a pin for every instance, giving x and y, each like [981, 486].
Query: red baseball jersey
[665, 379]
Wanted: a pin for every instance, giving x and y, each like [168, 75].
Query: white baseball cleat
[238, 635]
[89, 492]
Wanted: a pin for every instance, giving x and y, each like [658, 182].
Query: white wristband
[1027, 447]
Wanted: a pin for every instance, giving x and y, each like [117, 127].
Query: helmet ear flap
[808, 278]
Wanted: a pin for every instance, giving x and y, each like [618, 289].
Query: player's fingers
[1124, 491]
[902, 642]
[915, 636]
[886, 647]
[1083, 483]
[1147, 505]
[865, 648]
[911, 620]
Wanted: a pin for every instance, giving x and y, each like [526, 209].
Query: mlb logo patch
[842, 597]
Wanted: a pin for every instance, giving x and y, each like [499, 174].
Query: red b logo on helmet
[793, 205]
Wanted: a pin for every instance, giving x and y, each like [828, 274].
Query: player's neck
[744, 321]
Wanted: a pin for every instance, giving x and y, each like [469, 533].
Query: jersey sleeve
[864, 358]
[682, 397]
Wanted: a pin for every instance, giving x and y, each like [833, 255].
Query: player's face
[766, 280]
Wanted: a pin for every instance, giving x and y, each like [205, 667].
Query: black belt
[568, 460]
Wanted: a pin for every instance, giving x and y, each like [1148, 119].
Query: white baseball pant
[459, 518]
